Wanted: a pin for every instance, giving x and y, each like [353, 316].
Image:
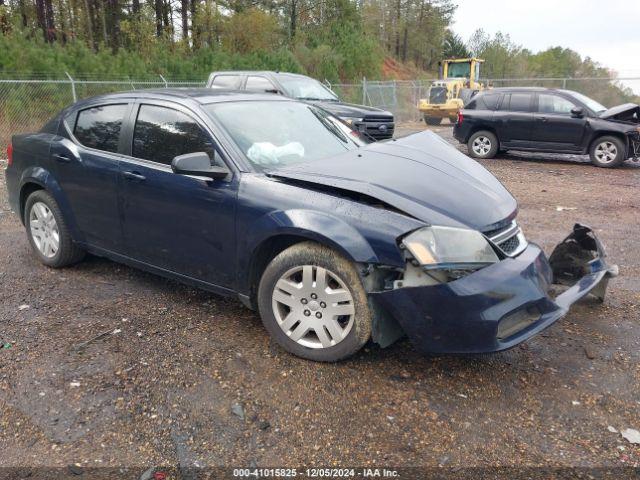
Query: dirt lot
[177, 368]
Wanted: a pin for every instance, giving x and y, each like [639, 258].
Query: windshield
[274, 134]
[589, 102]
[459, 70]
[305, 88]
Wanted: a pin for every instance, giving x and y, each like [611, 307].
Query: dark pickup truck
[549, 120]
[375, 123]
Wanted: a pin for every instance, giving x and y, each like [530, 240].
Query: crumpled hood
[341, 109]
[626, 110]
[421, 175]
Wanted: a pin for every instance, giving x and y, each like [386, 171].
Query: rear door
[87, 170]
[514, 119]
[180, 223]
[555, 128]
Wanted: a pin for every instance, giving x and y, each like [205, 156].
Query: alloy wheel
[313, 306]
[44, 229]
[606, 152]
[481, 146]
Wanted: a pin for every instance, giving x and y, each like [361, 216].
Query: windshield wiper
[314, 99]
[330, 126]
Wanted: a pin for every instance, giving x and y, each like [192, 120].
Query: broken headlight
[449, 248]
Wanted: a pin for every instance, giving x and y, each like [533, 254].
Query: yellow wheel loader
[459, 81]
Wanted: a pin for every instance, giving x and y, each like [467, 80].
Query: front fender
[312, 225]
[44, 179]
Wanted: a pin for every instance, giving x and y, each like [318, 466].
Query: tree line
[328, 39]
[335, 39]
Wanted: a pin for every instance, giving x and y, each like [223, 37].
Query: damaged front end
[479, 307]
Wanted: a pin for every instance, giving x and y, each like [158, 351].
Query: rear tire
[312, 302]
[483, 144]
[607, 152]
[48, 233]
[433, 121]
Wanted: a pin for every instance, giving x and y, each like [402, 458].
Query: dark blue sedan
[334, 240]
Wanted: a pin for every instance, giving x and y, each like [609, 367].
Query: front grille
[379, 127]
[437, 95]
[378, 118]
[510, 245]
[509, 239]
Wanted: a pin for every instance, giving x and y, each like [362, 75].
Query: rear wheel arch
[478, 128]
[27, 189]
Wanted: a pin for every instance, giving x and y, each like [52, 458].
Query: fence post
[564, 83]
[364, 90]
[73, 87]
[166, 84]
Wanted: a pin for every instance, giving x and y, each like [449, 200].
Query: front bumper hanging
[504, 304]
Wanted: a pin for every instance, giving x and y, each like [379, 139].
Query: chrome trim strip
[509, 232]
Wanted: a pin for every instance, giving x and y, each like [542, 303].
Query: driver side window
[162, 133]
[554, 104]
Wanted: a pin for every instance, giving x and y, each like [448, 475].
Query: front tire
[48, 233]
[483, 144]
[607, 152]
[312, 302]
[433, 121]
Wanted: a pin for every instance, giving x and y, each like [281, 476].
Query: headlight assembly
[449, 248]
[352, 120]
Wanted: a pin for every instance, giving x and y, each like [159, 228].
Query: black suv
[548, 120]
[375, 123]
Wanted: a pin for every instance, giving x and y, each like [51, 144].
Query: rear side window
[99, 127]
[229, 81]
[259, 84]
[162, 133]
[519, 102]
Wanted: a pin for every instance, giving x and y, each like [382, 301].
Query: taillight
[460, 118]
[9, 155]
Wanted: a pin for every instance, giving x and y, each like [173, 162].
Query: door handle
[543, 119]
[61, 158]
[134, 177]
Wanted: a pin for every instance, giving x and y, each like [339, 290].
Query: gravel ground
[180, 377]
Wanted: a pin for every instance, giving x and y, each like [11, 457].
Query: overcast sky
[608, 31]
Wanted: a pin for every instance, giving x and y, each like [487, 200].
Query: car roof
[202, 96]
[257, 72]
[521, 89]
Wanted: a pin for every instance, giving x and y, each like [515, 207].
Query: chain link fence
[26, 104]
[402, 97]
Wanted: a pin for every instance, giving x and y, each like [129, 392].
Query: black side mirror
[198, 164]
[577, 112]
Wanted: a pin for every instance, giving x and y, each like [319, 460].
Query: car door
[555, 128]
[514, 119]
[86, 168]
[180, 223]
